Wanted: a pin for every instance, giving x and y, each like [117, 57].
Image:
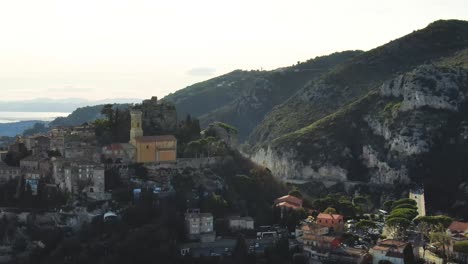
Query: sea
[10, 117]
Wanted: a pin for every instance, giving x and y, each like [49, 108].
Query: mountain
[412, 129]
[351, 80]
[58, 105]
[376, 122]
[17, 128]
[242, 98]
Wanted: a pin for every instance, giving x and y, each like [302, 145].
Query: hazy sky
[130, 48]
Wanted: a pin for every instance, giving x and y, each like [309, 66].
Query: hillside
[82, 115]
[413, 129]
[17, 128]
[352, 80]
[242, 98]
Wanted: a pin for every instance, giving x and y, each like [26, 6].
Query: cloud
[201, 71]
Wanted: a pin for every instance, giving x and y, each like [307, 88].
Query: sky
[97, 49]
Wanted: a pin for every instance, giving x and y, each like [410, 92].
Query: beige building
[156, 149]
[150, 149]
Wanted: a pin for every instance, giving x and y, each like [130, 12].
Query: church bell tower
[136, 129]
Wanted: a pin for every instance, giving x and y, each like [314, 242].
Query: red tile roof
[114, 147]
[458, 226]
[156, 138]
[290, 200]
[286, 204]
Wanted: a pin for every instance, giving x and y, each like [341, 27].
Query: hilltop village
[143, 185]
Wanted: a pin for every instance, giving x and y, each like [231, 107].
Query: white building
[418, 196]
[198, 224]
[241, 223]
[389, 250]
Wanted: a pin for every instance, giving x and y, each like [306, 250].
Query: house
[199, 225]
[77, 176]
[458, 230]
[307, 230]
[320, 245]
[119, 152]
[8, 172]
[332, 221]
[35, 167]
[37, 144]
[388, 250]
[289, 201]
[240, 223]
[81, 150]
[350, 255]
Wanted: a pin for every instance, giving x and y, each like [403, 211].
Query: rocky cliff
[411, 129]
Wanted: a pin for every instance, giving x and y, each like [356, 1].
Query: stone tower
[136, 129]
[418, 196]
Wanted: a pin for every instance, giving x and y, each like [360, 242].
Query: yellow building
[151, 148]
[156, 149]
[136, 129]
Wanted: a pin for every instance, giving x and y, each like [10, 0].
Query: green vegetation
[351, 80]
[365, 224]
[115, 127]
[437, 220]
[228, 128]
[38, 128]
[461, 246]
[330, 210]
[83, 115]
[402, 215]
[224, 97]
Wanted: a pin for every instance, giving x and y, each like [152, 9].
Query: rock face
[158, 117]
[392, 136]
[224, 132]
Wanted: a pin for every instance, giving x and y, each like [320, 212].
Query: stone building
[38, 145]
[77, 176]
[159, 117]
[8, 172]
[151, 149]
[80, 150]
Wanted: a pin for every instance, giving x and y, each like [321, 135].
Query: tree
[404, 201]
[365, 224]
[397, 226]
[240, 250]
[361, 202]
[330, 210]
[296, 193]
[388, 205]
[282, 248]
[434, 221]
[442, 238]
[408, 255]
